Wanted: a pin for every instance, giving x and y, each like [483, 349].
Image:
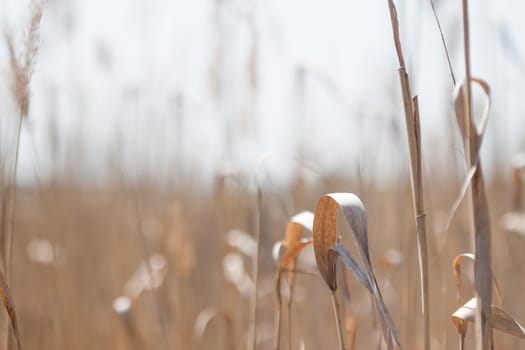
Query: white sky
[109, 72]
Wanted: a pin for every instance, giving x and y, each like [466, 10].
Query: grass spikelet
[327, 250]
[22, 69]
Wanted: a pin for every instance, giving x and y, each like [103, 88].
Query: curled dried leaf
[457, 276]
[459, 104]
[501, 320]
[292, 245]
[472, 135]
[327, 250]
[293, 241]
[324, 237]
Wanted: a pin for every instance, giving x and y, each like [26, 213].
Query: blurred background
[151, 124]
[160, 87]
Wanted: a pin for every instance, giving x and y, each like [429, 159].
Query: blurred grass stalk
[22, 69]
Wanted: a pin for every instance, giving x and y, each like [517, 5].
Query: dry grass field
[67, 303]
[377, 264]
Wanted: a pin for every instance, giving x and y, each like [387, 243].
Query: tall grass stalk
[340, 332]
[10, 227]
[481, 220]
[22, 70]
[411, 108]
[255, 270]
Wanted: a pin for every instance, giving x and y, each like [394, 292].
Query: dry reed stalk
[411, 108]
[327, 250]
[338, 322]
[472, 137]
[255, 270]
[350, 321]
[22, 69]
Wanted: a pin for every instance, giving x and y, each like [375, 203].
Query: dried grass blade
[472, 137]
[353, 265]
[443, 41]
[9, 305]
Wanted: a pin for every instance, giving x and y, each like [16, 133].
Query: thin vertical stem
[9, 234]
[480, 213]
[411, 108]
[340, 335]
[255, 270]
[468, 91]
[290, 300]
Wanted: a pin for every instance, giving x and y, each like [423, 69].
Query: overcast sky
[142, 85]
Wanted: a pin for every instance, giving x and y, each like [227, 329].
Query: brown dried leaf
[294, 243]
[327, 250]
